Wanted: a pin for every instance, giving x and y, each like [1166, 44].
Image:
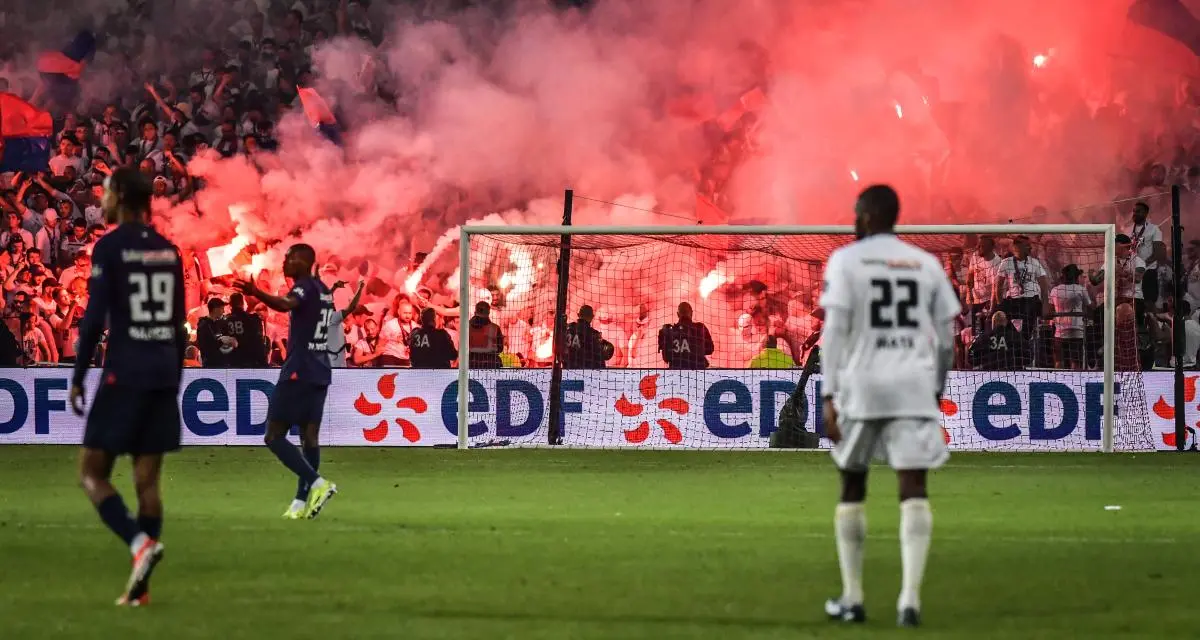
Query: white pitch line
[392, 529]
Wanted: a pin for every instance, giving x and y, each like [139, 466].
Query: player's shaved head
[304, 252]
[586, 313]
[298, 263]
[877, 210]
[999, 319]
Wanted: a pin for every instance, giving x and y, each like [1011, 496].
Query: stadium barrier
[374, 407]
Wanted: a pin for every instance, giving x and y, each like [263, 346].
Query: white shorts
[904, 443]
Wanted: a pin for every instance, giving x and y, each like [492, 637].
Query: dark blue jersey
[308, 332]
[685, 345]
[136, 291]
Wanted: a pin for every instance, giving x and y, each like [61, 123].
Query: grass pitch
[601, 544]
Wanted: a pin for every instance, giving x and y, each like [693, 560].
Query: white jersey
[1143, 237]
[336, 344]
[1021, 277]
[983, 271]
[896, 296]
[1069, 299]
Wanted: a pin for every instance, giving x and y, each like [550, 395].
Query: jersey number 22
[887, 311]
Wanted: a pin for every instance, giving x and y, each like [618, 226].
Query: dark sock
[313, 455]
[116, 517]
[289, 454]
[150, 525]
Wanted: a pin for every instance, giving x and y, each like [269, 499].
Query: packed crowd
[228, 99]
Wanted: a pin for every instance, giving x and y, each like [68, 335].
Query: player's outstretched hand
[830, 416]
[78, 402]
[247, 287]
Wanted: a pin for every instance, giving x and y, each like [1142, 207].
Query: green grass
[593, 544]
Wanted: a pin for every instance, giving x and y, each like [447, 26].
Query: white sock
[850, 525]
[138, 540]
[916, 527]
[298, 504]
[318, 483]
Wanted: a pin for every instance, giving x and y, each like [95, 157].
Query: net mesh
[635, 375]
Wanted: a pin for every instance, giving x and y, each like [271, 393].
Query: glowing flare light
[545, 351]
[710, 282]
[520, 281]
[443, 243]
[224, 260]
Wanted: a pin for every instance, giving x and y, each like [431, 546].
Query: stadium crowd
[1024, 305]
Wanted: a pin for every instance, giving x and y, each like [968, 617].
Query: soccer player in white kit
[886, 348]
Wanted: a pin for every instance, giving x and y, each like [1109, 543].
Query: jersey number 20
[154, 290]
[885, 307]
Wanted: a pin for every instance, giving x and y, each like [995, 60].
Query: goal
[1063, 379]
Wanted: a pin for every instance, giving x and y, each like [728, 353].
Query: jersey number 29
[886, 311]
[154, 290]
[322, 331]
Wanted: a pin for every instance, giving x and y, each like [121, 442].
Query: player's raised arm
[91, 326]
[349, 309]
[283, 304]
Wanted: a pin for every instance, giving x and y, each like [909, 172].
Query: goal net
[694, 337]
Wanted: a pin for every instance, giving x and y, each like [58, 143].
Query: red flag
[749, 102]
[709, 213]
[315, 108]
[19, 119]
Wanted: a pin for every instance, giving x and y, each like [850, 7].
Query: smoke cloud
[977, 111]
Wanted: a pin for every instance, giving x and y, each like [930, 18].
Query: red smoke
[946, 99]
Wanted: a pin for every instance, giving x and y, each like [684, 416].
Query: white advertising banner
[735, 409]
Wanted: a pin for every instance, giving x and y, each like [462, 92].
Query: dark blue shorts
[134, 421]
[297, 403]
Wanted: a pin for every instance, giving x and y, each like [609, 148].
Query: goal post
[754, 287]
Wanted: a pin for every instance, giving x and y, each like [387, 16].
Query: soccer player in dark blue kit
[299, 397]
[136, 291]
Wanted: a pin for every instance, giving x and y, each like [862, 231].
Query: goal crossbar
[783, 230]
[1109, 232]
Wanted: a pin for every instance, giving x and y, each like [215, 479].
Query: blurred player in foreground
[136, 291]
[886, 347]
[299, 397]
